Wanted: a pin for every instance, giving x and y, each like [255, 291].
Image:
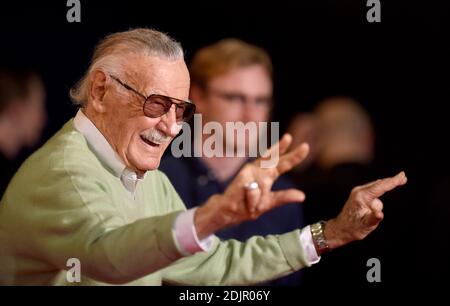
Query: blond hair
[224, 56]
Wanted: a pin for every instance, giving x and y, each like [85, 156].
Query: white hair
[109, 51]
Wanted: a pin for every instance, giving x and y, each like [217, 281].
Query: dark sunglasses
[157, 105]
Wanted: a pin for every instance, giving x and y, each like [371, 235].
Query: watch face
[319, 237]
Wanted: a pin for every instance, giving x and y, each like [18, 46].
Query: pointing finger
[380, 187]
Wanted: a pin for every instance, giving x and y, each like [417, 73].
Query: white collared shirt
[105, 152]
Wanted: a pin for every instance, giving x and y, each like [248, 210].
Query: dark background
[398, 69]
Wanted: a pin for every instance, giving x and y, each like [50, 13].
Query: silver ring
[252, 186]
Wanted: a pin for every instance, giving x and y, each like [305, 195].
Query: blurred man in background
[347, 135]
[22, 118]
[231, 81]
[343, 151]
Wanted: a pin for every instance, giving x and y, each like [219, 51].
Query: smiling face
[117, 112]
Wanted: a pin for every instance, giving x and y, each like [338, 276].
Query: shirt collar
[105, 152]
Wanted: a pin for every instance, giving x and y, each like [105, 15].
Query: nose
[168, 123]
[249, 110]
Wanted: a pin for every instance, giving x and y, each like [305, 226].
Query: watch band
[318, 236]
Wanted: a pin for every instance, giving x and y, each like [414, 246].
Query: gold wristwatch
[320, 242]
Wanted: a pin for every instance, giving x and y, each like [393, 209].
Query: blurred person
[231, 81]
[22, 118]
[344, 158]
[344, 139]
[93, 191]
[346, 133]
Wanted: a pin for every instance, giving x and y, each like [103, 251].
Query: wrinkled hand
[238, 204]
[362, 213]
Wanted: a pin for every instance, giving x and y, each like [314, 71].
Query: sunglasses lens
[156, 106]
[189, 110]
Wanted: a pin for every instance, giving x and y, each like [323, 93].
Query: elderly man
[93, 193]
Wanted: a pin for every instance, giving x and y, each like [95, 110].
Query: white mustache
[156, 136]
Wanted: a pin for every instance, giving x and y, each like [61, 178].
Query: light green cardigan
[64, 203]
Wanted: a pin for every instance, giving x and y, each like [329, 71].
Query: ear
[198, 95]
[98, 91]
